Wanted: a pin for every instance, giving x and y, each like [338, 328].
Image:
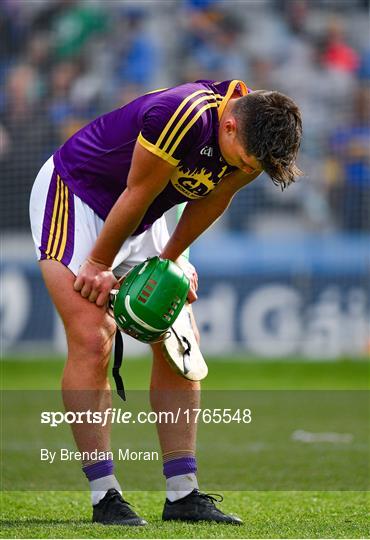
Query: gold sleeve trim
[157, 151]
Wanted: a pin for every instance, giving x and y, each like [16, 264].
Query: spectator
[138, 60]
[364, 67]
[212, 46]
[29, 139]
[338, 54]
[350, 164]
[60, 108]
[75, 26]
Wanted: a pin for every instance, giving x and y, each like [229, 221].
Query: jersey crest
[197, 183]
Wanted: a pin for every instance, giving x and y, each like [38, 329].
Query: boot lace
[211, 498]
[116, 495]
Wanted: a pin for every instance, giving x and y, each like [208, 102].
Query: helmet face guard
[150, 299]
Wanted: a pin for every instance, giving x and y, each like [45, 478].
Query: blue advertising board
[308, 297]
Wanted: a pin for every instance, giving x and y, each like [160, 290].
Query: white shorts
[65, 229]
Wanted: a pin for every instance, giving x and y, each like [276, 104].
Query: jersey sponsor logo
[207, 151]
[197, 183]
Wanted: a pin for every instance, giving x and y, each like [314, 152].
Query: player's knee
[93, 344]
[98, 343]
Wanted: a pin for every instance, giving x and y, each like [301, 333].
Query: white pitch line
[326, 436]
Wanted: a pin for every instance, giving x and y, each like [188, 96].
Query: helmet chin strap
[118, 358]
[118, 349]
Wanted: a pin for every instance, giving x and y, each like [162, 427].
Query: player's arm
[148, 176]
[200, 214]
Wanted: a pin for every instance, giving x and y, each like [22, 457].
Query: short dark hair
[269, 126]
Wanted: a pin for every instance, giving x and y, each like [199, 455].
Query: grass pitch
[267, 514]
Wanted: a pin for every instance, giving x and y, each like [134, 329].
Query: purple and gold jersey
[178, 124]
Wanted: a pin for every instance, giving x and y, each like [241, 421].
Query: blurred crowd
[63, 62]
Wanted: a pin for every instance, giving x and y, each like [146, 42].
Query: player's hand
[191, 274]
[94, 282]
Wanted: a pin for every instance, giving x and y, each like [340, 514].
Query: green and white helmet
[150, 299]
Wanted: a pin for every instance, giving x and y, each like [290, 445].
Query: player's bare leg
[85, 386]
[170, 391]
[89, 332]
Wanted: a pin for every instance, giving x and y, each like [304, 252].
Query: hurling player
[97, 209]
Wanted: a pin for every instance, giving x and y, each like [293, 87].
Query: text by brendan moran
[122, 454]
